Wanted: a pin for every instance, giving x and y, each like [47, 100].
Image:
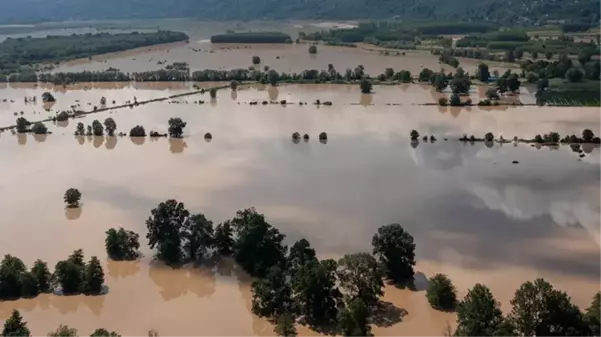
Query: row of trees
[97, 128]
[72, 276]
[16, 326]
[564, 67]
[537, 310]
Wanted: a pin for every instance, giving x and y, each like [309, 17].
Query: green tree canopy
[43, 275]
[122, 244]
[360, 276]
[441, 293]
[72, 197]
[110, 126]
[259, 245]
[272, 295]
[365, 86]
[300, 254]
[104, 333]
[395, 249]
[540, 310]
[63, 331]
[284, 326]
[478, 314]
[164, 226]
[353, 320]
[593, 315]
[197, 233]
[224, 239]
[176, 127]
[15, 326]
[316, 295]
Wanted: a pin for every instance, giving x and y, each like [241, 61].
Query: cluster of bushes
[18, 52]
[72, 276]
[23, 125]
[459, 82]
[97, 128]
[564, 67]
[447, 57]
[553, 137]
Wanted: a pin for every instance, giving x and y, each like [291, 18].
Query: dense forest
[17, 54]
[510, 12]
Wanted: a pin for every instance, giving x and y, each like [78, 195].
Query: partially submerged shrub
[137, 131]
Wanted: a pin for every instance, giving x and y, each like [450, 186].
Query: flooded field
[474, 215]
[289, 58]
[201, 54]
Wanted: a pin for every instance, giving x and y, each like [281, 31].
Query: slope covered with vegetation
[499, 11]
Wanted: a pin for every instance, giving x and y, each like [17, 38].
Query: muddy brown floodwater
[475, 216]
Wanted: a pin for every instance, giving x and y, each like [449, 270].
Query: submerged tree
[224, 239]
[365, 86]
[478, 314]
[110, 126]
[42, 275]
[122, 244]
[300, 254]
[47, 97]
[256, 60]
[414, 135]
[93, 277]
[63, 331]
[15, 326]
[39, 128]
[273, 77]
[234, 85]
[316, 295]
[80, 130]
[197, 232]
[593, 315]
[312, 49]
[164, 226]
[213, 93]
[284, 326]
[72, 197]
[540, 310]
[441, 293]
[69, 274]
[259, 245]
[11, 277]
[360, 276]
[395, 249]
[353, 320]
[97, 128]
[104, 333]
[176, 127]
[272, 295]
[137, 131]
[22, 124]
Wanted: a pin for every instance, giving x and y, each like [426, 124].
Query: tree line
[71, 276]
[16, 326]
[20, 54]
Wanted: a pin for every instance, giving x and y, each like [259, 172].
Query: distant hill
[509, 12]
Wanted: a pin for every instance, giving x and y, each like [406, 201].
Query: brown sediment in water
[474, 215]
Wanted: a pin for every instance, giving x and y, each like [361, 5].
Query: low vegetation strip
[252, 37]
[122, 106]
[21, 54]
